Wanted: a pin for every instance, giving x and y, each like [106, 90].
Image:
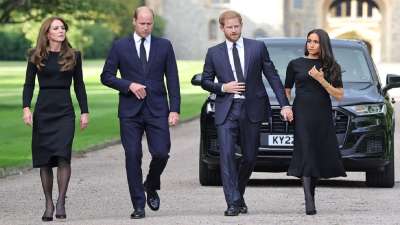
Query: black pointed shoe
[232, 211]
[138, 214]
[153, 200]
[61, 217]
[47, 218]
[243, 208]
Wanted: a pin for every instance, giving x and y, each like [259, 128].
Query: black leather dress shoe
[243, 208]
[47, 218]
[153, 200]
[138, 214]
[232, 211]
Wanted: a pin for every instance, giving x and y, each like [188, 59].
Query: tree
[19, 11]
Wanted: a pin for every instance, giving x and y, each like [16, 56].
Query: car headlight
[367, 109]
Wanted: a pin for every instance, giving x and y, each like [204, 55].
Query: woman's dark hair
[330, 67]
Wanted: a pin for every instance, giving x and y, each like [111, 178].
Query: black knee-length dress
[53, 117]
[316, 152]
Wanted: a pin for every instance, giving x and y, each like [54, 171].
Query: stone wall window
[297, 4]
[212, 30]
[353, 8]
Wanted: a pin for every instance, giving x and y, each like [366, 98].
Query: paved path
[98, 193]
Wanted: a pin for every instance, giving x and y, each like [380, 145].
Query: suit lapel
[153, 51]
[132, 46]
[247, 55]
[225, 57]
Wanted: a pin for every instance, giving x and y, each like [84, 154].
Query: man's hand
[138, 90]
[27, 117]
[234, 87]
[173, 118]
[84, 121]
[287, 113]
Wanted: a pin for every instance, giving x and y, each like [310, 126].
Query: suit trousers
[159, 144]
[236, 130]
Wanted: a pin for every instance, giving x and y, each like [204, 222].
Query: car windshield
[352, 61]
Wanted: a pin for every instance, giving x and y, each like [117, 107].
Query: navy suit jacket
[256, 62]
[124, 57]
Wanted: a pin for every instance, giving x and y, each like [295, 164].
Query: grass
[15, 137]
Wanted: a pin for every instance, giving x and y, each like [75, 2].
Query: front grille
[276, 125]
[371, 144]
[211, 140]
[340, 121]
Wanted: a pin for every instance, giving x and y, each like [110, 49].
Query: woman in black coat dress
[317, 77]
[56, 64]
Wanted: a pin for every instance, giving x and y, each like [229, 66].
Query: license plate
[280, 140]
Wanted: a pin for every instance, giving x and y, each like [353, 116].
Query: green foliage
[13, 45]
[100, 41]
[93, 23]
[159, 26]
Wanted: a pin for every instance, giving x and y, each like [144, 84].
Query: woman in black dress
[55, 63]
[317, 77]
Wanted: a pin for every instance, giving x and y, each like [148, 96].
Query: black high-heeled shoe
[47, 218]
[61, 217]
[309, 196]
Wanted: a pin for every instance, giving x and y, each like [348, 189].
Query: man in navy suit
[241, 103]
[144, 104]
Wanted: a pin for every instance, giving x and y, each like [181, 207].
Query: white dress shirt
[146, 44]
[240, 48]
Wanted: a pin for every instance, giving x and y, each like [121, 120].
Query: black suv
[364, 118]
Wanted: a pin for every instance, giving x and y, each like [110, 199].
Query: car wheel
[207, 176]
[383, 178]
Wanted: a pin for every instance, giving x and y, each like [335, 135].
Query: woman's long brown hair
[330, 66]
[39, 54]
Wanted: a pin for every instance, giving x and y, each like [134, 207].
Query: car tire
[383, 178]
[207, 176]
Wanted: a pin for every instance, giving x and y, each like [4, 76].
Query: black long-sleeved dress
[53, 117]
[316, 152]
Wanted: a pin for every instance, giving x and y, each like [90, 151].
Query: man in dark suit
[143, 61]
[241, 103]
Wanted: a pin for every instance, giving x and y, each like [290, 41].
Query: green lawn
[15, 137]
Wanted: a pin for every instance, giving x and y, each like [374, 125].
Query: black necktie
[143, 57]
[236, 61]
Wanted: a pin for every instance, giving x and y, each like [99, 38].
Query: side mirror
[392, 81]
[196, 79]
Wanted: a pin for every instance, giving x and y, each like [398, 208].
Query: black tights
[63, 176]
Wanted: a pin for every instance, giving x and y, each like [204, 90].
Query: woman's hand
[316, 74]
[27, 117]
[84, 121]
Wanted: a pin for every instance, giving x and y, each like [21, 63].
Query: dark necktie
[143, 57]
[236, 61]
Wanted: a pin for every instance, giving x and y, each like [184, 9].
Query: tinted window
[352, 61]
